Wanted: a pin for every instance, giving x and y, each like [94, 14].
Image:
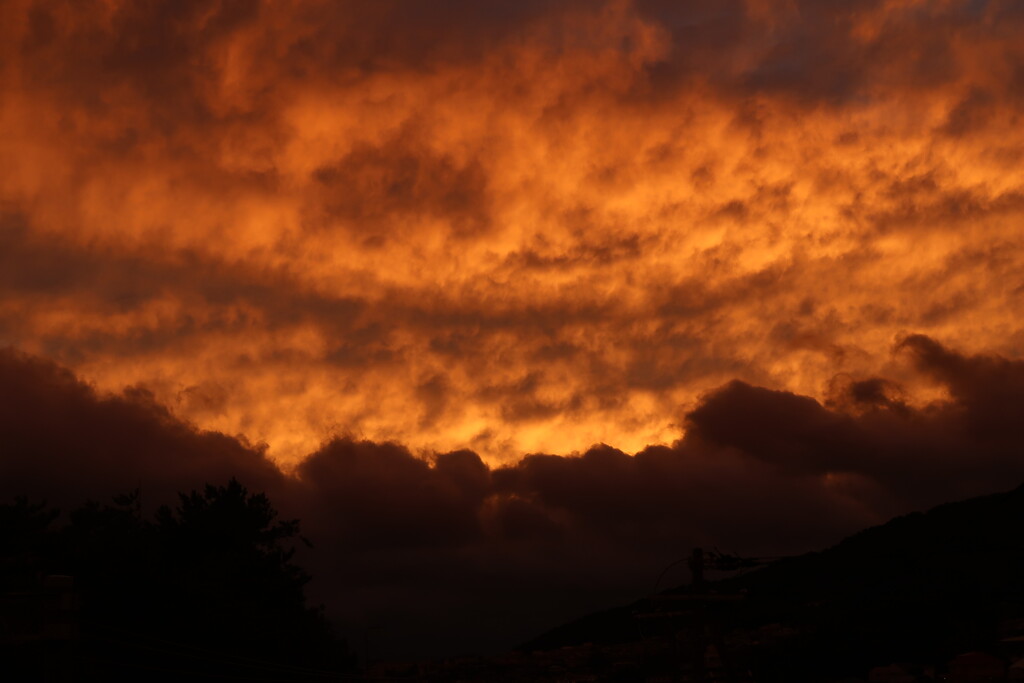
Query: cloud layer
[465, 225]
[445, 553]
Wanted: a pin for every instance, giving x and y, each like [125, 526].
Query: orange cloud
[510, 229]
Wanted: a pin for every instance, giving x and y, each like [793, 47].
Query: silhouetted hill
[920, 588]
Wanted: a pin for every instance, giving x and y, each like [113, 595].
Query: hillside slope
[920, 588]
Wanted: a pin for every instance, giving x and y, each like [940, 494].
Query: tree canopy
[206, 587]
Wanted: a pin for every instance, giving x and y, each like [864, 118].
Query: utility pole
[694, 620]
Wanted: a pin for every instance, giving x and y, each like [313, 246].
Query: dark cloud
[62, 441]
[381, 495]
[986, 393]
[170, 53]
[850, 395]
[402, 541]
[818, 52]
[376, 189]
[946, 449]
[46, 270]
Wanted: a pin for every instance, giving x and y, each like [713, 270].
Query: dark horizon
[445, 555]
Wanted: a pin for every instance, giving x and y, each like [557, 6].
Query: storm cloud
[441, 551]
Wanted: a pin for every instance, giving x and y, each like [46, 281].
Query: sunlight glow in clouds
[531, 229]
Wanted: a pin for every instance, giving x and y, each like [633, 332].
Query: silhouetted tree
[205, 589]
[23, 532]
[226, 572]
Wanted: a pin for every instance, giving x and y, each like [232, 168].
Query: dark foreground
[207, 591]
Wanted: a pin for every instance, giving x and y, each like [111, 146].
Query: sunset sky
[394, 247]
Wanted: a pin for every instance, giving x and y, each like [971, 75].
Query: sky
[515, 300]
